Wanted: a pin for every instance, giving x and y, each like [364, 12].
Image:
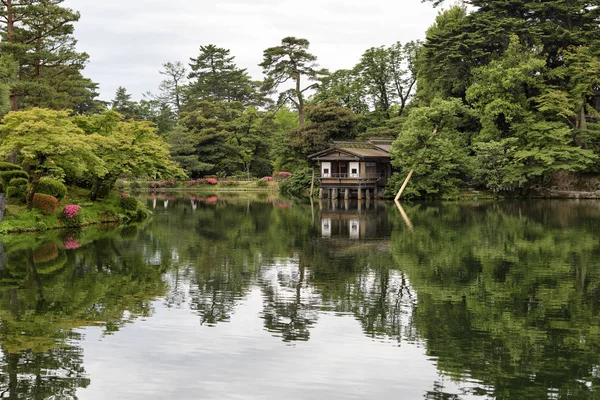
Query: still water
[260, 298]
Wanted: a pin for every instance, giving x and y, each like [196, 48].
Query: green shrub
[17, 193]
[46, 203]
[18, 182]
[262, 183]
[297, 184]
[7, 176]
[52, 187]
[129, 203]
[4, 166]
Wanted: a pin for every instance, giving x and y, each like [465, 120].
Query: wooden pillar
[346, 194]
[320, 193]
[335, 194]
[367, 193]
[360, 194]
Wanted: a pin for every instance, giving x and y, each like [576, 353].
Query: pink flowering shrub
[123, 195]
[284, 174]
[71, 215]
[211, 199]
[211, 181]
[267, 178]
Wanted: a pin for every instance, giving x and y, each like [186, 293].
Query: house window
[326, 169]
[371, 168]
[354, 170]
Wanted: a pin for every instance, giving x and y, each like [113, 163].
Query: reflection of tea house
[354, 169]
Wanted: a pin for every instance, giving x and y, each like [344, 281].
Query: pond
[233, 297]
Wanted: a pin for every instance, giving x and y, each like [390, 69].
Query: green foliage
[52, 187]
[17, 189]
[433, 144]
[38, 34]
[216, 78]
[7, 176]
[129, 203]
[123, 104]
[297, 184]
[4, 166]
[290, 61]
[328, 121]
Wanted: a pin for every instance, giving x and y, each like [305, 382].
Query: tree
[505, 92]
[389, 75]
[329, 121]
[183, 147]
[346, 87]
[39, 36]
[123, 104]
[8, 72]
[433, 143]
[171, 89]
[45, 139]
[127, 148]
[290, 61]
[215, 77]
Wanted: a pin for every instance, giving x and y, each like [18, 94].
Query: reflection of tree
[508, 294]
[289, 301]
[359, 279]
[47, 292]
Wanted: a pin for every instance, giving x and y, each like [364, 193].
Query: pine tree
[39, 36]
[216, 77]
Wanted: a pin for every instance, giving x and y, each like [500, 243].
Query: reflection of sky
[171, 356]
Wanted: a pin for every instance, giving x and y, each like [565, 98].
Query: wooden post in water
[410, 174]
[312, 184]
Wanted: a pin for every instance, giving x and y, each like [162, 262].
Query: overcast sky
[128, 40]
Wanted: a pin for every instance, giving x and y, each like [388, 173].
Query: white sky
[129, 40]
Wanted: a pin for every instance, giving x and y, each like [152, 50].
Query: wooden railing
[349, 176]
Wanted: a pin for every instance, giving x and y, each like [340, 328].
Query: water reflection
[504, 298]
[48, 289]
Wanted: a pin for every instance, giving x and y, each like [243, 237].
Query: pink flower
[211, 181]
[71, 211]
[285, 174]
[211, 199]
[123, 194]
[268, 178]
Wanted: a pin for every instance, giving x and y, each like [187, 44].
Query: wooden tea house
[354, 169]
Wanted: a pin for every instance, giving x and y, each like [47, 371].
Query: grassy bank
[19, 219]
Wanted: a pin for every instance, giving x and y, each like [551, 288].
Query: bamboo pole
[410, 174]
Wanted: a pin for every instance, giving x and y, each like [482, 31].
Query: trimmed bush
[46, 203]
[7, 176]
[129, 203]
[52, 187]
[18, 182]
[17, 193]
[4, 166]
